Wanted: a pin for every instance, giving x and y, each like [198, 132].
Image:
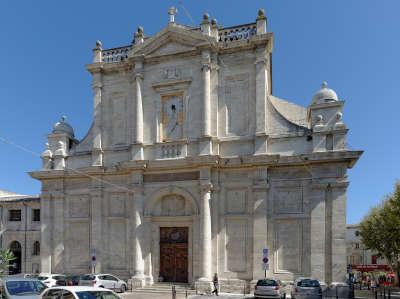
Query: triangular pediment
[172, 40]
[171, 47]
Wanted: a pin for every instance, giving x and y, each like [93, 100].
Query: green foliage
[380, 229]
[6, 256]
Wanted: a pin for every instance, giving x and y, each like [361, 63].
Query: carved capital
[138, 75]
[206, 188]
[206, 67]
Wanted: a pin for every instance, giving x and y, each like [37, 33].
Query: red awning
[369, 268]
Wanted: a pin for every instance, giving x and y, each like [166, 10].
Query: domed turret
[324, 95]
[63, 127]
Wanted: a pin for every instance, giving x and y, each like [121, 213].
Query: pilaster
[261, 65]
[45, 232]
[97, 86]
[58, 262]
[338, 193]
[96, 243]
[318, 231]
[260, 221]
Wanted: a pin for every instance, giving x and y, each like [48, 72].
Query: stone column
[137, 147]
[58, 232]
[45, 232]
[97, 152]
[205, 233]
[338, 193]
[205, 144]
[317, 233]
[138, 262]
[96, 197]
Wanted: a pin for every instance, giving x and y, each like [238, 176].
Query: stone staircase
[166, 287]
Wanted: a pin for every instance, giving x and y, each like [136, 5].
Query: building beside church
[192, 167]
[20, 230]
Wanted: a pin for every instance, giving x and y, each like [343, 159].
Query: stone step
[163, 291]
[166, 288]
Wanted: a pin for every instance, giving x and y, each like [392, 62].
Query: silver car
[22, 288]
[306, 288]
[268, 288]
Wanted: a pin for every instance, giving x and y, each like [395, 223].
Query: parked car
[306, 288]
[340, 290]
[78, 292]
[21, 288]
[50, 280]
[73, 280]
[107, 281]
[268, 288]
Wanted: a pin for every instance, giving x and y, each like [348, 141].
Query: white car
[50, 280]
[78, 292]
[21, 288]
[107, 281]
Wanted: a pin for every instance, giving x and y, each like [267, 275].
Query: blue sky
[354, 45]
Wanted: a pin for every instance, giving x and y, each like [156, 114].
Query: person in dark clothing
[215, 282]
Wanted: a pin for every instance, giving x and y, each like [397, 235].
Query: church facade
[192, 167]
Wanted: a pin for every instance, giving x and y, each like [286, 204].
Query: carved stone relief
[173, 205]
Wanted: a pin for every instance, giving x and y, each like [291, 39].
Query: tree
[6, 256]
[380, 230]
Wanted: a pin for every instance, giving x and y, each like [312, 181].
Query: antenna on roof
[187, 13]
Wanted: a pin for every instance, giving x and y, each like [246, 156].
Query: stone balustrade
[237, 33]
[115, 54]
[172, 150]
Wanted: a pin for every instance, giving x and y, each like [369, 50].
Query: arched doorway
[172, 215]
[15, 265]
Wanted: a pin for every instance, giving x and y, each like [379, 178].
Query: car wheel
[123, 288]
[101, 287]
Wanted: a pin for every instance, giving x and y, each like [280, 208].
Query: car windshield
[87, 277]
[308, 283]
[96, 295]
[24, 287]
[267, 283]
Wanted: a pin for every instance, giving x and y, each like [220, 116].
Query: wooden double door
[174, 254]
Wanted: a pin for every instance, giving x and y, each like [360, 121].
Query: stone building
[357, 253]
[20, 230]
[192, 167]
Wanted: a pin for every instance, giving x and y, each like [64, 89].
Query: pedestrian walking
[215, 282]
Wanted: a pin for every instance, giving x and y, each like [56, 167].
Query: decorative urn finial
[261, 14]
[98, 45]
[206, 18]
[172, 11]
[139, 35]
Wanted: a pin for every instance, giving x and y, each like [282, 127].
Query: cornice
[213, 161]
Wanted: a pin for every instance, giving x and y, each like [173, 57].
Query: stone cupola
[60, 140]
[325, 120]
